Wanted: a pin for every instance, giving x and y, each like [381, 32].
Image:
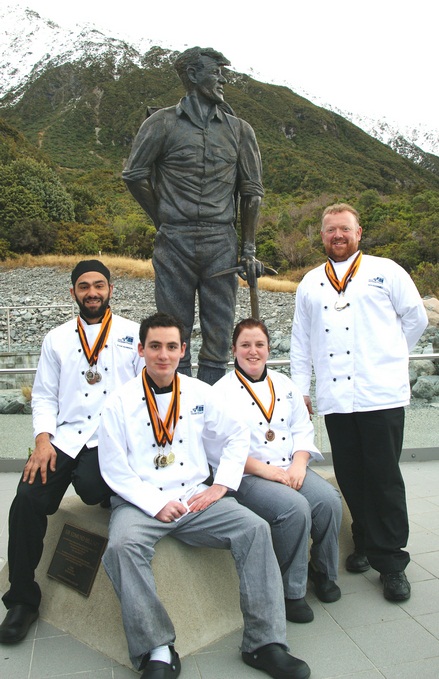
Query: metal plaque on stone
[77, 557]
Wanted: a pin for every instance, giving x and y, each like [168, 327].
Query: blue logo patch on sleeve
[377, 282]
[126, 342]
[197, 410]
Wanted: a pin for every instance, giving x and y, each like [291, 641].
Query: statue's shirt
[195, 166]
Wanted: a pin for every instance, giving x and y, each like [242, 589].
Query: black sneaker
[396, 587]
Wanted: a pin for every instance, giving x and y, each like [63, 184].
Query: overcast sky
[375, 58]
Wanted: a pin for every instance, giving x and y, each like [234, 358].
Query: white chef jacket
[290, 421]
[127, 446]
[63, 403]
[360, 354]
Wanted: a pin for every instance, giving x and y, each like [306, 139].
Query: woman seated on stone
[278, 485]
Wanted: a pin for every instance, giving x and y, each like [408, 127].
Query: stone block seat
[198, 586]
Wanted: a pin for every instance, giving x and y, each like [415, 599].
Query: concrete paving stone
[393, 643]
[417, 506]
[222, 666]
[353, 582]
[419, 539]
[15, 660]
[331, 655]
[430, 562]
[415, 571]
[428, 520]
[431, 623]
[67, 656]
[369, 674]
[424, 669]
[120, 672]
[323, 623]
[354, 610]
[424, 598]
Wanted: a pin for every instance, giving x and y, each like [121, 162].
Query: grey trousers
[224, 525]
[293, 515]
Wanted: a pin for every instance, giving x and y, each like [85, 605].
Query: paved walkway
[362, 636]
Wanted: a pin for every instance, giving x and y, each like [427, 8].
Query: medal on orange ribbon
[268, 414]
[340, 286]
[92, 355]
[163, 430]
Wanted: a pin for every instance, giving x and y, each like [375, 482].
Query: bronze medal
[270, 435]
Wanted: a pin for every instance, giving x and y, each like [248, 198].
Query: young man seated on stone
[151, 454]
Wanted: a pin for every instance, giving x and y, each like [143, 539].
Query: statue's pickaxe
[254, 297]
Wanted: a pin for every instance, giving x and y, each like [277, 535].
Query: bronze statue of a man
[188, 165]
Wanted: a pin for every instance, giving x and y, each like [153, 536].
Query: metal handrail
[32, 306]
[270, 362]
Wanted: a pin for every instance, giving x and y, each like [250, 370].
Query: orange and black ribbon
[268, 414]
[92, 354]
[341, 286]
[163, 430]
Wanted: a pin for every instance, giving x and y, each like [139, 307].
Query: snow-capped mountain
[410, 141]
[30, 43]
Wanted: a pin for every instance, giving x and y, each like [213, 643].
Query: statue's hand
[252, 270]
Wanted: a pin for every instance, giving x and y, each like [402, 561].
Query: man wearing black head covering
[81, 362]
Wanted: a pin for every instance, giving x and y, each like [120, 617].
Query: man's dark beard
[92, 314]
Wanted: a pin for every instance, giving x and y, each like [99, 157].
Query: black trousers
[366, 448]
[28, 518]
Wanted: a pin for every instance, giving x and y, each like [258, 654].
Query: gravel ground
[134, 298]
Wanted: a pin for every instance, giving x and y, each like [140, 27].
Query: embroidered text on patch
[197, 410]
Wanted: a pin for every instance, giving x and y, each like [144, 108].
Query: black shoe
[156, 669]
[396, 587]
[326, 589]
[279, 664]
[16, 624]
[357, 563]
[297, 610]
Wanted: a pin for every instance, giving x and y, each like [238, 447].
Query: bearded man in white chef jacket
[356, 319]
[81, 362]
